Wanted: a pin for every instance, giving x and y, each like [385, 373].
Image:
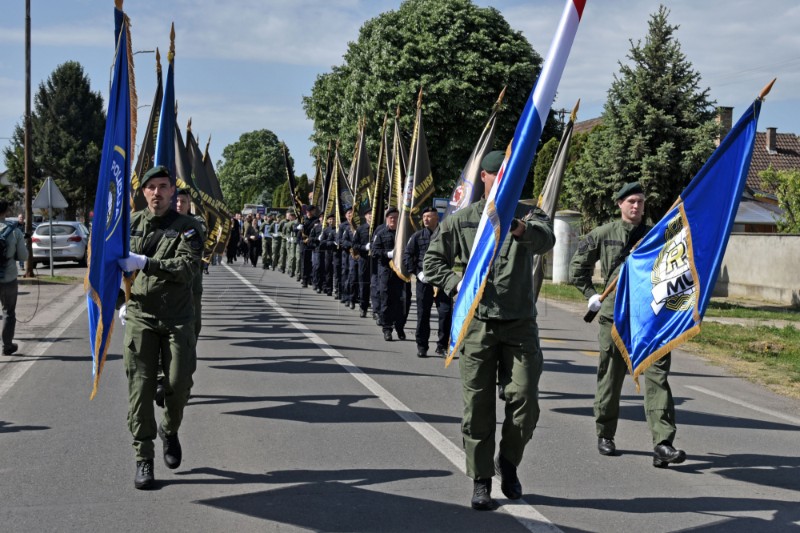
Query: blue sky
[243, 65]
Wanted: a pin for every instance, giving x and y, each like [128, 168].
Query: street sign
[54, 199]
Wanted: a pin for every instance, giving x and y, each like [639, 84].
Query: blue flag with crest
[110, 234]
[666, 283]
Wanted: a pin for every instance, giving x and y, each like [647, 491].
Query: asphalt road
[303, 419]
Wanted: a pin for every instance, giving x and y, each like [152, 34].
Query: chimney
[725, 122]
[772, 141]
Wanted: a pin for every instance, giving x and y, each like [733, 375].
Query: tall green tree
[67, 129]
[251, 168]
[460, 55]
[786, 184]
[658, 129]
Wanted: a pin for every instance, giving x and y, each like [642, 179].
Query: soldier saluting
[166, 249]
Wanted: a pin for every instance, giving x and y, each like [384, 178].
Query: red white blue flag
[502, 200]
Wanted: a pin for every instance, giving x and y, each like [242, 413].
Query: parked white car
[70, 242]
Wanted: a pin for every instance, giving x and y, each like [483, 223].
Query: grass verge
[766, 355]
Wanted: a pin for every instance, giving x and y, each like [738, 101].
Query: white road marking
[731, 399]
[22, 364]
[523, 512]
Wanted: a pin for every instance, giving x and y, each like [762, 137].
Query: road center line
[742, 403]
[523, 512]
[21, 364]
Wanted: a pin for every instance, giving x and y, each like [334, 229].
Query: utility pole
[28, 197]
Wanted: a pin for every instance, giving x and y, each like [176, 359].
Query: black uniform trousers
[444, 308]
[392, 297]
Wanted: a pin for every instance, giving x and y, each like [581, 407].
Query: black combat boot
[509, 482]
[606, 446]
[482, 495]
[144, 480]
[664, 455]
[172, 449]
[401, 334]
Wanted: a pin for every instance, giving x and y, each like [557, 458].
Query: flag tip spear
[765, 91]
[118, 4]
[574, 113]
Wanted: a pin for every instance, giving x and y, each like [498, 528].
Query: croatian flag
[505, 194]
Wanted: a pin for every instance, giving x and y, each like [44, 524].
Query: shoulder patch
[189, 233]
[170, 233]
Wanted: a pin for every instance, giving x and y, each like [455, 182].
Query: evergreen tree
[658, 129]
[67, 129]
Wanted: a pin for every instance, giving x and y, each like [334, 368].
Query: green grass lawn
[764, 354]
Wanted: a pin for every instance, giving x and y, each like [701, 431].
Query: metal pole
[27, 134]
[50, 216]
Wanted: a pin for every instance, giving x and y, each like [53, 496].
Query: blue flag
[665, 284]
[111, 223]
[502, 200]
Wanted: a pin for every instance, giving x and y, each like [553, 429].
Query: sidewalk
[41, 303]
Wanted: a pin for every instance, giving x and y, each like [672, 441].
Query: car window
[58, 229]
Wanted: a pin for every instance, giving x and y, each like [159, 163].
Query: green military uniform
[281, 257]
[197, 283]
[276, 242]
[161, 322]
[266, 255]
[502, 335]
[290, 236]
[605, 244]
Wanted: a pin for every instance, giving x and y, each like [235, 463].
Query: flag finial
[171, 54]
[574, 113]
[397, 113]
[118, 4]
[158, 61]
[765, 91]
[419, 98]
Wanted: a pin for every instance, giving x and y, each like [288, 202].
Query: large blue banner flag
[665, 284]
[502, 200]
[110, 225]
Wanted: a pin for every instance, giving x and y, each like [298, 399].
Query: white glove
[390, 254]
[458, 287]
[320, 237]
[421, 277]
[368, 246]
[595, 303]
[132, 262]
[275, 235]
[299, 226]
[123, 312]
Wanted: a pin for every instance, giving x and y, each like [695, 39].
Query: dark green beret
[627, 190]
[184, 191]
[391, 211]
[493, 161]
[158, 171]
